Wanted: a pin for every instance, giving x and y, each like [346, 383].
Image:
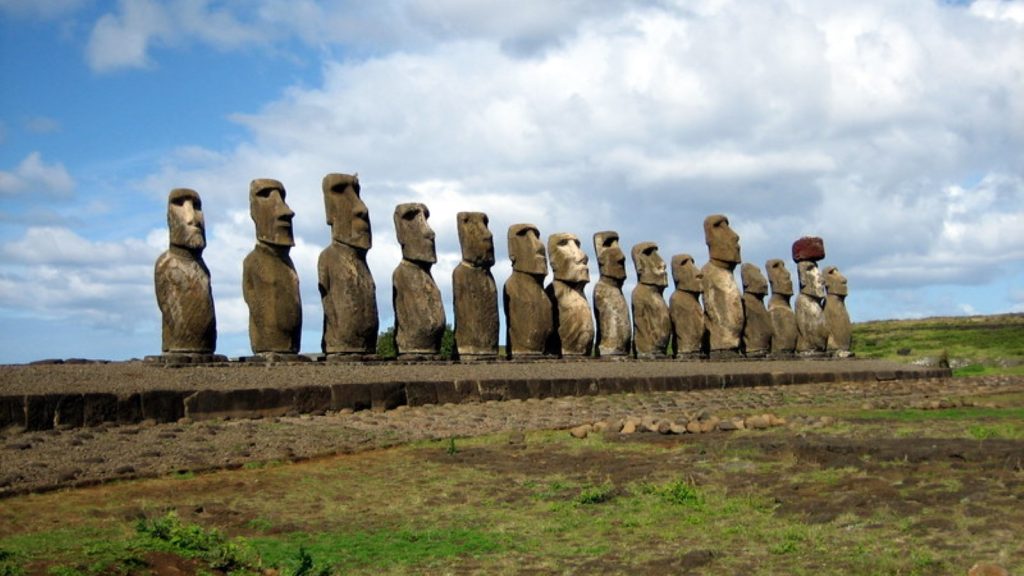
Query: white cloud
[34, 176]
[42, 125]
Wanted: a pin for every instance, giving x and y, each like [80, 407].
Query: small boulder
[664, 427]
[693, 427]
[580, 431]
[758, 422]
[678, 428]
[728, 426]
[987, 569]
[628, 427]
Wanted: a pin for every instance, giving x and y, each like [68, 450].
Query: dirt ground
[52, 459]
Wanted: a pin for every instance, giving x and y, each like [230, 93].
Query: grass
[974, 346]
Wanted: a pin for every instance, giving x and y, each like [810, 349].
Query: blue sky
[892, 129]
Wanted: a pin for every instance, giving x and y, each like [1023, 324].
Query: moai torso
[723, 304]
[784, 332]
[574, 325]
[652, 324]
[685, 309]
[757, 323]
[419, 312]
[474, 290]
[836, 316]
[347, 290]
[270, 285]
[611, 312]
[529, 314]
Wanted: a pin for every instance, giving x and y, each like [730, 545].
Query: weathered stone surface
[529, 314]
[685, 309]
[474, 292]
[347, 289]
[614, 330]
[723, 305]
[652, 323]
[987, 569]
[784, 332]
[581, 431]
[574, 325]
[270, 284]
[182, 279]
[419, 312]
[837, 318]
[808, 249]
[757, 323]
[812, 332]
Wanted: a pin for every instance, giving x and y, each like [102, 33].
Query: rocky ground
[37, 461]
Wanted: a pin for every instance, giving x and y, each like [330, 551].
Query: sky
[892, 129]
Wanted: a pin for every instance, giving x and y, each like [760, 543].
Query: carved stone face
[778, 276]
[414, 234]
[271, 214]
[686, 274]
[611, 262]
[810, 279]
[185, 219]
[346, 213]
[723, 243]
[753, 280]
[476, 239]
[835, 282]
[526, 250]
[568, 261]
[650, 268]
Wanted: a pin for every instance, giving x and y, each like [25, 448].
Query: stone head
[723, 243]
[271, 214]
[611, 262]
[185, 219]
[835, 282]
[476, 239]
[650, 268]
[753, 281]
[686, 275]
[781, 281]
[568, 261]
[346, 213]
[526, 250]
[810, 279]
[414, 234]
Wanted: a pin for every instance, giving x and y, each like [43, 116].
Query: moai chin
[574, 326]
[270, 284]
[474, 291]
[784, 332]
[837, 318]
[757, 322]
[723, 304]
[685, 309]
[812, 332]
[614, 328]
[347, 290]
[419, 312]
[529, 315]
[182, 283]
[652, 324]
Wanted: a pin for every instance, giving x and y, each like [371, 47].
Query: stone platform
[40, 397]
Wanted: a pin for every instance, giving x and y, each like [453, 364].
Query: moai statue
[757, 323]
[783, 319]
[182, 283]
[685, 308]
[529, 315]
[614, 330]
[474, 290]
[812, 332]
[723, 305]
[837, 319]
[574, 326]
[347, 289]
[419, 313]
[652, 325]
[270, 284]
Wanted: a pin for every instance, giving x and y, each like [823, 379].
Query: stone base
[185, 358]
[782, 355]
[274, 358]
[812, 354]
[756, 354]
[690, 356]
[470, 358]
[651, 356]
[841, 354]
[343, 357]
[725, 355]
[418, 357]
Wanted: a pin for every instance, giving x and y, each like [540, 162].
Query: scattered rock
[728, 426]
[709, 425]
[517, 438]
[628, 427]
[664, 427]
[774, 421]
[987, 569]
[678, 428]
[758, 422]
[693, 427]
[580, 431]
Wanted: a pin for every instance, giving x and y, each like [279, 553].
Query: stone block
[311, 399]
[420, 393]
[351, 396]
[540, 388]
[563, 387]
[468, 390]
[809, 248]
[40, 410]
[69, 411]
[12, 411]
[98, 408]
[129, 408]
[387, 395]
[163, 405]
